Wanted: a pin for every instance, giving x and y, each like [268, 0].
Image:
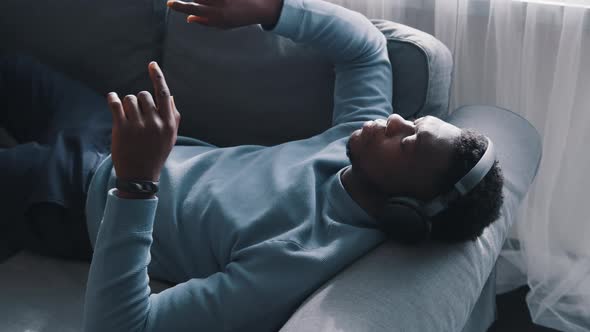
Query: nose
[396, 123]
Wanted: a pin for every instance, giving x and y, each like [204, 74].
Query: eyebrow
[417, 127]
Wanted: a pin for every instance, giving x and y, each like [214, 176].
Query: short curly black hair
[466, 218]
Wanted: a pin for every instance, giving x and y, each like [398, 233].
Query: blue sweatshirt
[246, 233]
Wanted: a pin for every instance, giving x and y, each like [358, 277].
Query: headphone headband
[465, 185]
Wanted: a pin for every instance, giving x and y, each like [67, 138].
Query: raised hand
[229, 14]
[144, 130]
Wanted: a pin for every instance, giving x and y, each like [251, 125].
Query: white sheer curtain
[532, 57]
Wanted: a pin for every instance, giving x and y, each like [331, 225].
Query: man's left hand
[144, 130]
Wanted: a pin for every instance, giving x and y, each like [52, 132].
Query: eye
[408, 141]
[387, 132]
[404, 142]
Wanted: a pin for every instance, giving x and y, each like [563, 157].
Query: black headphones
[409, 220]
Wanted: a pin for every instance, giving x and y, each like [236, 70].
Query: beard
[354, 162]
[360, 172]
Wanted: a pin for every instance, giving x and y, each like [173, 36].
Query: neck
[362, 193]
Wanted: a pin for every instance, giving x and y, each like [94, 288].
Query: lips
[368, 129]
[368, 124]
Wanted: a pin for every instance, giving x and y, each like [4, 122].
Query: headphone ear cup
[402, 220]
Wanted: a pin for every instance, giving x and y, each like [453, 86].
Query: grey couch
[245, 86]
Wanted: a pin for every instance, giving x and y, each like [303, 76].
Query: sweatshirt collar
[348, 208]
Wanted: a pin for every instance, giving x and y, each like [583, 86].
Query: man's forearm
[341, 34]
[274, 8]
[117, 292]
[358, 49]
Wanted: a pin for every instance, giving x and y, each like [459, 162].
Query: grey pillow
[106, 44]
[248, 86]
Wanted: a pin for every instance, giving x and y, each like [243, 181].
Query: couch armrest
[422, 66]
[434, 287]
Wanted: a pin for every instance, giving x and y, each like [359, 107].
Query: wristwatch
[137, 186]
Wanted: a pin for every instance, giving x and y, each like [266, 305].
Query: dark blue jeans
[64, 130]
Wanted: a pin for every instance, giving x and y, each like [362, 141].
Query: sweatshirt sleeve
[364, 84]
[117, 291]
[118, 295]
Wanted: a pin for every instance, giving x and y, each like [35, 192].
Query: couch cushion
[106, 44]
[248, 86]
[517, 142]
[39, 293]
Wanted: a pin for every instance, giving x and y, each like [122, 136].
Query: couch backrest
[106, 44]
[248, 86]
[240, 86]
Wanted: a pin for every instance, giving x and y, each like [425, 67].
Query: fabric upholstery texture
[518, 144]
[203, 64]
[39, 293]
[105, 44]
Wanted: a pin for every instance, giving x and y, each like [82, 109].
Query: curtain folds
[532, 57]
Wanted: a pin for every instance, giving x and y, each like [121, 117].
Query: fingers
[197, 19]
[201, 12]
[212, 3]
[146, 103]
[176, 113]
[143, 107]
[131, 108]
[116, 108]
[161, 92]
[188, 7]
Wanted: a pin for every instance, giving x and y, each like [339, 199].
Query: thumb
[176, 112]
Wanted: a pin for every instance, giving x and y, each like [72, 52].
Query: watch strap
[137, 186]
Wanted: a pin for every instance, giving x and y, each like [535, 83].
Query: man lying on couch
[246, 233]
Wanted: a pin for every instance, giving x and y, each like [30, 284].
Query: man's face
[401, 157]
